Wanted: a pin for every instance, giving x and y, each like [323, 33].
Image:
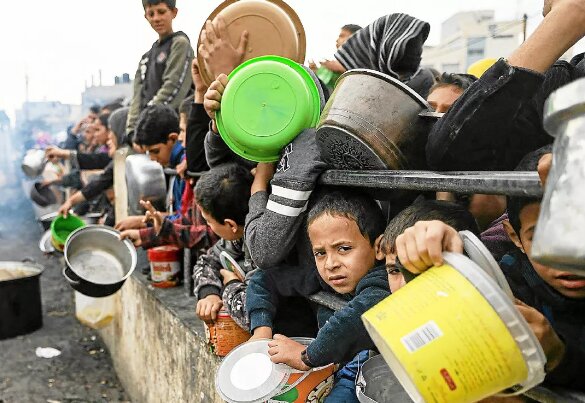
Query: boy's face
[100, 134]
[395, 277]
[568, 284]
[344, 35]
[228, 230]
[342, 254]
[443, 97]
[183, 129]
[161, 152]
[160, 17]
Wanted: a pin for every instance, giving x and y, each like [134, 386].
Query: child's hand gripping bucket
[453, 335]
[247, 375]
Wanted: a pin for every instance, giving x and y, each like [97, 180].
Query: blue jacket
[344, 335]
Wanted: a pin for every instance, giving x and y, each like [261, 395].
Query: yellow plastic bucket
[452, 335]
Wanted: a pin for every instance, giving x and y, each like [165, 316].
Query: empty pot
[98, 263]
[372, 122]
[33, 163]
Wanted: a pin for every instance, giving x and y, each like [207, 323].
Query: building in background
[470, 36]
[105, 94]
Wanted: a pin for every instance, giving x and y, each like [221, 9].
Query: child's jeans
[344, 386]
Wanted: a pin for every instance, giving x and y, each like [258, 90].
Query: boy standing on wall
[163, 75]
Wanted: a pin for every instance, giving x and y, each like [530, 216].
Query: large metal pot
[372, 122]
[20, 298]
[33, 163]
[145, 180]
[98, 263]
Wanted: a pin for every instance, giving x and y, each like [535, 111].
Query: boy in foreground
[345, 230]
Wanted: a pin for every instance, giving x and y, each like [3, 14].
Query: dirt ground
[83, 372]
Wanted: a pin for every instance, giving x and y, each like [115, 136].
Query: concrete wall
[158, 346]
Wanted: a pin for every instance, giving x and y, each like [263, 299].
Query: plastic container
[165, 266]
[247, 375]
[224, 334]
[452, 335]
[94, 312]
[62, 227]
[268, 101]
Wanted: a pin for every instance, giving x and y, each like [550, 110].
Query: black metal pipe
[504, 183]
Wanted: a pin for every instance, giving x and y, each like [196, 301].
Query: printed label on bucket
[165, 272]
[447, 338]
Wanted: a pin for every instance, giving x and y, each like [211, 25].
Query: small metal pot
[98, 263]
[374, 122]
[21, 309]
[47, 219]
[33, 163]
[42, 195]
[145, 180]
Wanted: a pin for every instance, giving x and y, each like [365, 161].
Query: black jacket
[566, 316]
[498, 120]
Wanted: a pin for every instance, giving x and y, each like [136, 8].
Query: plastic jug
[94, 312]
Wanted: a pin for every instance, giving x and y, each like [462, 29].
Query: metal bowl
[98, 263]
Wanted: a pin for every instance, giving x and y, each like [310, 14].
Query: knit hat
[117, 124]
[170, 3]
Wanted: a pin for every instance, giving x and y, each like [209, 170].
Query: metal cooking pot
[98, 263]
[20, 299]
[33, 163]
[42, 195]
[372, 122]
[376, 383]
[145, 180]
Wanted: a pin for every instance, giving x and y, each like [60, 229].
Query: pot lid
[477, 252]
[246, 374]
[268, 101]
[45, 244]
[274, 28]
[229, 263]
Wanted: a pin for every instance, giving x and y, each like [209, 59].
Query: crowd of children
[293, 237]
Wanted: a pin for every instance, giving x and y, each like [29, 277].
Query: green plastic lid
[268, 101]
[62, 227]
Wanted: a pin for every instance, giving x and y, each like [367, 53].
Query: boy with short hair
[345, 230]
[450, 213]
[163, 75]
[552, 301]
[222, 195]
[157, 132]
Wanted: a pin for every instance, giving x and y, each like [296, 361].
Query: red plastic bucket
[165, 266]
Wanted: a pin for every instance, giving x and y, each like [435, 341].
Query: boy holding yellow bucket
[344, 228]
[552, 301]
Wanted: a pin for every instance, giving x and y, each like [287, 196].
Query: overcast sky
[62, 43]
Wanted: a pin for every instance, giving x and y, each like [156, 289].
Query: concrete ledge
[158, 345]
